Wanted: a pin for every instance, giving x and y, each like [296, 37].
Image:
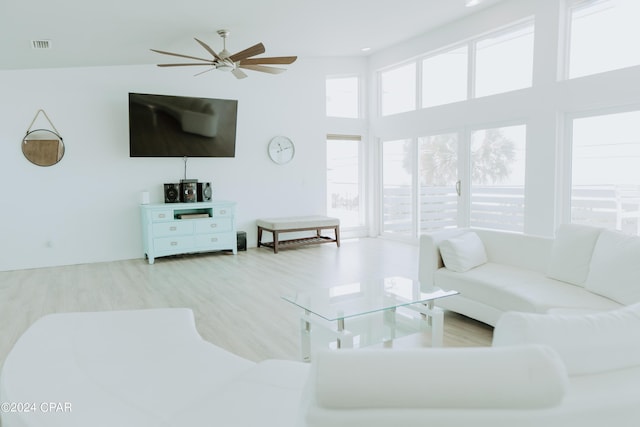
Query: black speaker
[172, 193]
[189, 190]
[242, 240]
[205, 192]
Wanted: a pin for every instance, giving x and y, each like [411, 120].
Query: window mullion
[471, 70]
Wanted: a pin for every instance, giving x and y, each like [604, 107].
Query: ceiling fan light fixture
[225, 67]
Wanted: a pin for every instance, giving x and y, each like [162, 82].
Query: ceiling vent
[41, 44]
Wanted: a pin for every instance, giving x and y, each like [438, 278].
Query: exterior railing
[609, 206]
[502, 208]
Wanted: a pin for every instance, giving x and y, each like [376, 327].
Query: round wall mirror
[43, 147]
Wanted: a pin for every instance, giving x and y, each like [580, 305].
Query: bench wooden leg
[275, 241]
[337, 231]
[259, 236]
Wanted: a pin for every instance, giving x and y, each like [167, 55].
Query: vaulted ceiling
[120, 32]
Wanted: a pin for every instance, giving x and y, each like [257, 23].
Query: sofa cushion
[266, 395]
[483, 377]
[571, 253]
[464, 252]
[511, 288]
[615, 267]
[588, 344]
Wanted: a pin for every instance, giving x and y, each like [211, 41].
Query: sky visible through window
[342, 97]
[606, 149]
[604, 36]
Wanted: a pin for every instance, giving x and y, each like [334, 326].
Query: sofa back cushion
[516, 249]
[587, 343]
[615, 267]
[464, 252]
[571, 253]
[482, 377]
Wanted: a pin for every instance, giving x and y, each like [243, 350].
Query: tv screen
[180, 126]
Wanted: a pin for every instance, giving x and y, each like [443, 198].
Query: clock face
[281, 149]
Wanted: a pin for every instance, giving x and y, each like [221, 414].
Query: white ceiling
[120, 32]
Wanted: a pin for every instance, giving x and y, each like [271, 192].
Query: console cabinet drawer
[161, 215]
[173, 228]
[222, 211]
[214, 225]
[176, 244]
[214, 241]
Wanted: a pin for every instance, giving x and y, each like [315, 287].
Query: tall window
[497, 178]
[605, 172]
[496, 63]
[397, 187]
[444, 77]
[439, 184]
[344, 186]
[398, 89]
[343, 97]
[604, 35]
[504, 61]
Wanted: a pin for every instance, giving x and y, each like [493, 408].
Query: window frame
[359, 97]
[572, 6]
[362, 181]
[472, 49]
[473, 52]
[417, 88]
[564, 189]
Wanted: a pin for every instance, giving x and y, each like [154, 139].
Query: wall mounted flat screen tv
[180, 126]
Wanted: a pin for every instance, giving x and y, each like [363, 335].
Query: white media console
[181, 228]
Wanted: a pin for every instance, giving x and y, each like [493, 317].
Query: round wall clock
[281, 150]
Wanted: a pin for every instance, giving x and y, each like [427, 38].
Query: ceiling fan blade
[262, 68]
[180, 55]
[239, 74]
[205, 71]
[271, 60]
[251, 51]
[186, 64]
[208, 49]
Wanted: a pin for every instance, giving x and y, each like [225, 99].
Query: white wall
[85, 209]
[542, 107]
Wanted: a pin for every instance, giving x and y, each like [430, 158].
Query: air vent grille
[41, 44]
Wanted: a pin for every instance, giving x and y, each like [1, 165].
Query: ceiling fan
[225, 61]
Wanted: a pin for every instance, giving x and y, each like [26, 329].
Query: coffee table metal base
[432, 319]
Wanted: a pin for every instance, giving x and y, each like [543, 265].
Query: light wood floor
[236, 299]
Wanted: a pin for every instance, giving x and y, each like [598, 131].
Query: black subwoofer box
[242, 241]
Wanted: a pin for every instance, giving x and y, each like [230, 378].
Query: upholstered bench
[315, 223]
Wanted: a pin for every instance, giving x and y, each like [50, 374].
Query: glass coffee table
[329, 308]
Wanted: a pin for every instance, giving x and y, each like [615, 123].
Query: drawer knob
[174, 243]
[161, 216]
[223, 211]
[173, 228]
[214, 225]
[214, 239]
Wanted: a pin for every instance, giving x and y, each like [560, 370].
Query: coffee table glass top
[368, 296]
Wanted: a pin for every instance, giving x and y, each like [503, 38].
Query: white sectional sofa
[151, 368]
[140, 368]
[558, 370]
[582, 269]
